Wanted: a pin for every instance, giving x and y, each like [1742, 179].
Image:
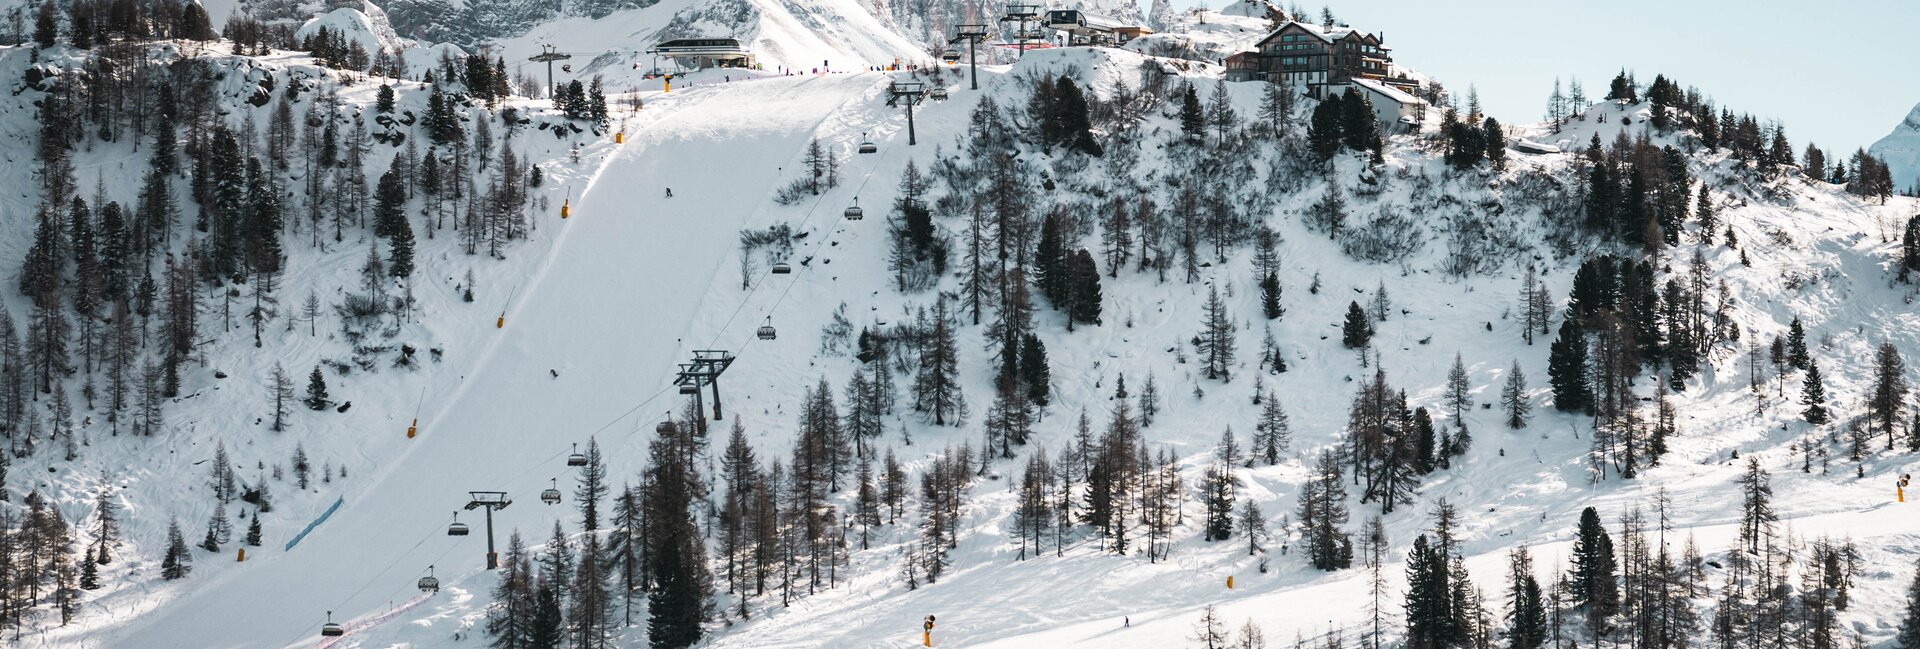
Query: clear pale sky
[1842, 73]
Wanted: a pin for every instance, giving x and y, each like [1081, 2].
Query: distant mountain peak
[1901, 151]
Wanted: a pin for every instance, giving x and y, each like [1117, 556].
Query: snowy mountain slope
[598, 308]
[1901, 151]
[155, 478]
[619, 279]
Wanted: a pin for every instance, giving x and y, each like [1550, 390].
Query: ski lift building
[705, 53]
[1087, 28]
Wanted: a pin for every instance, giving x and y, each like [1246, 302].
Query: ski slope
[606, 309]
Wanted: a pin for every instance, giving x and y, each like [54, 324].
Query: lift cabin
[429, 583]
[551, 495]
[331, 629]
[854, 213]
[950, 58]
[576, 459]
[702, 53]
[767, 331]
[1085, 28]
[457, 528]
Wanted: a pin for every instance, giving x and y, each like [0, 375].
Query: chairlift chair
[689, 388]
[576, 459]
[331, 629]
[429, 583]
[855, 213]
[552, 494]
[457, 528]
[781, 268]
[938, 93]
[663, 427]
[866, 145]
[950, 57]
[766, 330]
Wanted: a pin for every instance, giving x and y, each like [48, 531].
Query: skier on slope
[669, 192]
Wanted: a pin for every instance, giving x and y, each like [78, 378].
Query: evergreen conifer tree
[1567, 368]
[1813, 395]
[178, 561]
[1357, 331]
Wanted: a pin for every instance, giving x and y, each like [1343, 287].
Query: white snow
[610, 299]
[365, 24]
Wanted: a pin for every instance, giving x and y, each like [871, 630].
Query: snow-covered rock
[1901, 151]
[366, 25]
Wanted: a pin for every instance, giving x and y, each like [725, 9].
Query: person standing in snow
[669, 192]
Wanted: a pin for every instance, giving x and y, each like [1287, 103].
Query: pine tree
[1216, 492]
[1271, 433]
[1084, 280]
[1756, 495]
[1592, 580]
[1567, 368]
[592, 488]
[1220, 113]
[1357, 331]
[936, 390]
[1513, 397]
[1210, 632]
[676, 558]
[1322, 513]
[1909, 637]
[1797, 346]
[1215, 342]
[106, 529]
[1253, 526]
[1193, 120]
[225, 488]
[1458, 393]
[1034, 373]
[280, 396]
[1889, 389]
[178, 561]
[1429, 602]
[1813, 395]
[509, 622]
[1526, 612]
[316, 390]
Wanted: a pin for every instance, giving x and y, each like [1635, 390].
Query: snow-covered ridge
[1901, 151]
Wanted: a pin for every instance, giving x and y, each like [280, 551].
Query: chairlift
[576, 459]
[566, 67]
[950, 57]
[781, 268]
[766, 330]
[866, 145]
[689, 388]
[855, 213]
[331, 629]
[429, 583]
[552, 495]
[939, 92]
[457, 528]
[663, 427]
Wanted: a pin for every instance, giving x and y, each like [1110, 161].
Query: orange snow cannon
[566, 207]
[413, 428]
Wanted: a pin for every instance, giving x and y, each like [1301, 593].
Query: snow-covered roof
[1389, 92]
[1328, 34]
